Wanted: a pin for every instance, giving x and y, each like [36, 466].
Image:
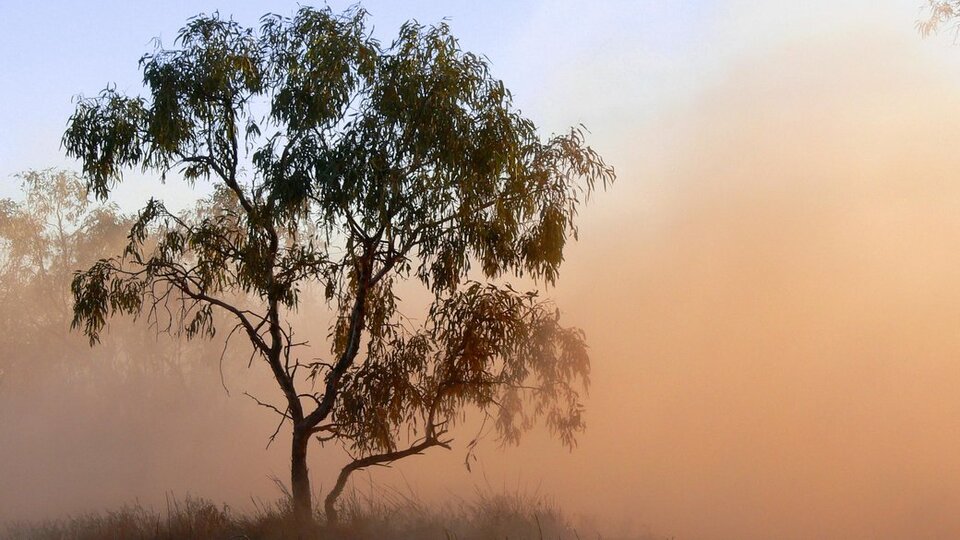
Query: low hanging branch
[386, 458]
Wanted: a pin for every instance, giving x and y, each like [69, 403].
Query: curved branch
[384, 459]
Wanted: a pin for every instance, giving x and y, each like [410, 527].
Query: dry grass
[386, 515]
[401, 516]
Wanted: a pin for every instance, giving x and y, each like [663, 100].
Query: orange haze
[772, 296]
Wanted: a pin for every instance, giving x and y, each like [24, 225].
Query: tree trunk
[300, 483]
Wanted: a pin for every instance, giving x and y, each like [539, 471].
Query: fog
[776, 340]
[771, 293]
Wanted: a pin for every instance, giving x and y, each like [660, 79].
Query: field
[385, 516]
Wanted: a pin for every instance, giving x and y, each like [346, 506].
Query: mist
[770, 293]
[783, 313]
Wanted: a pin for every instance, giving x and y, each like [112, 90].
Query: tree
[46, 233]
[351, 165]
[52, 229]
[939, 13]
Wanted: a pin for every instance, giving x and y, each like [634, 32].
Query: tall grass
[375, 515]
[397, 515]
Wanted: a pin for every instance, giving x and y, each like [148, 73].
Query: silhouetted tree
[354, 165]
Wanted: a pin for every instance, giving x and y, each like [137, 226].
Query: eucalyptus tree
[350, 165]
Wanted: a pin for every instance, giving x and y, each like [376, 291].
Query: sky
[769, 289]
[57, 51]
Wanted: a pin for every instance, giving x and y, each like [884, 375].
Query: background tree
[75, 416]
[350, 164]
[43, 236]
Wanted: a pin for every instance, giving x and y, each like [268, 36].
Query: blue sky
[617, 66]
[57, 50]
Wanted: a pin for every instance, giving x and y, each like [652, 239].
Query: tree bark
[300, 482]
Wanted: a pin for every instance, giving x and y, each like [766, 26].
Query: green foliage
[350, 164]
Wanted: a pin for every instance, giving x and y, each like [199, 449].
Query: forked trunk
[300, 484]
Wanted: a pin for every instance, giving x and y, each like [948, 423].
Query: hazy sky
[771, 288]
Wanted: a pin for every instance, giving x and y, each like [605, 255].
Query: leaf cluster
[485, 347]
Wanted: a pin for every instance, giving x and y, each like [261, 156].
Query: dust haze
[771, 293]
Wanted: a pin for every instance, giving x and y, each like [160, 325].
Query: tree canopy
[352, 165]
